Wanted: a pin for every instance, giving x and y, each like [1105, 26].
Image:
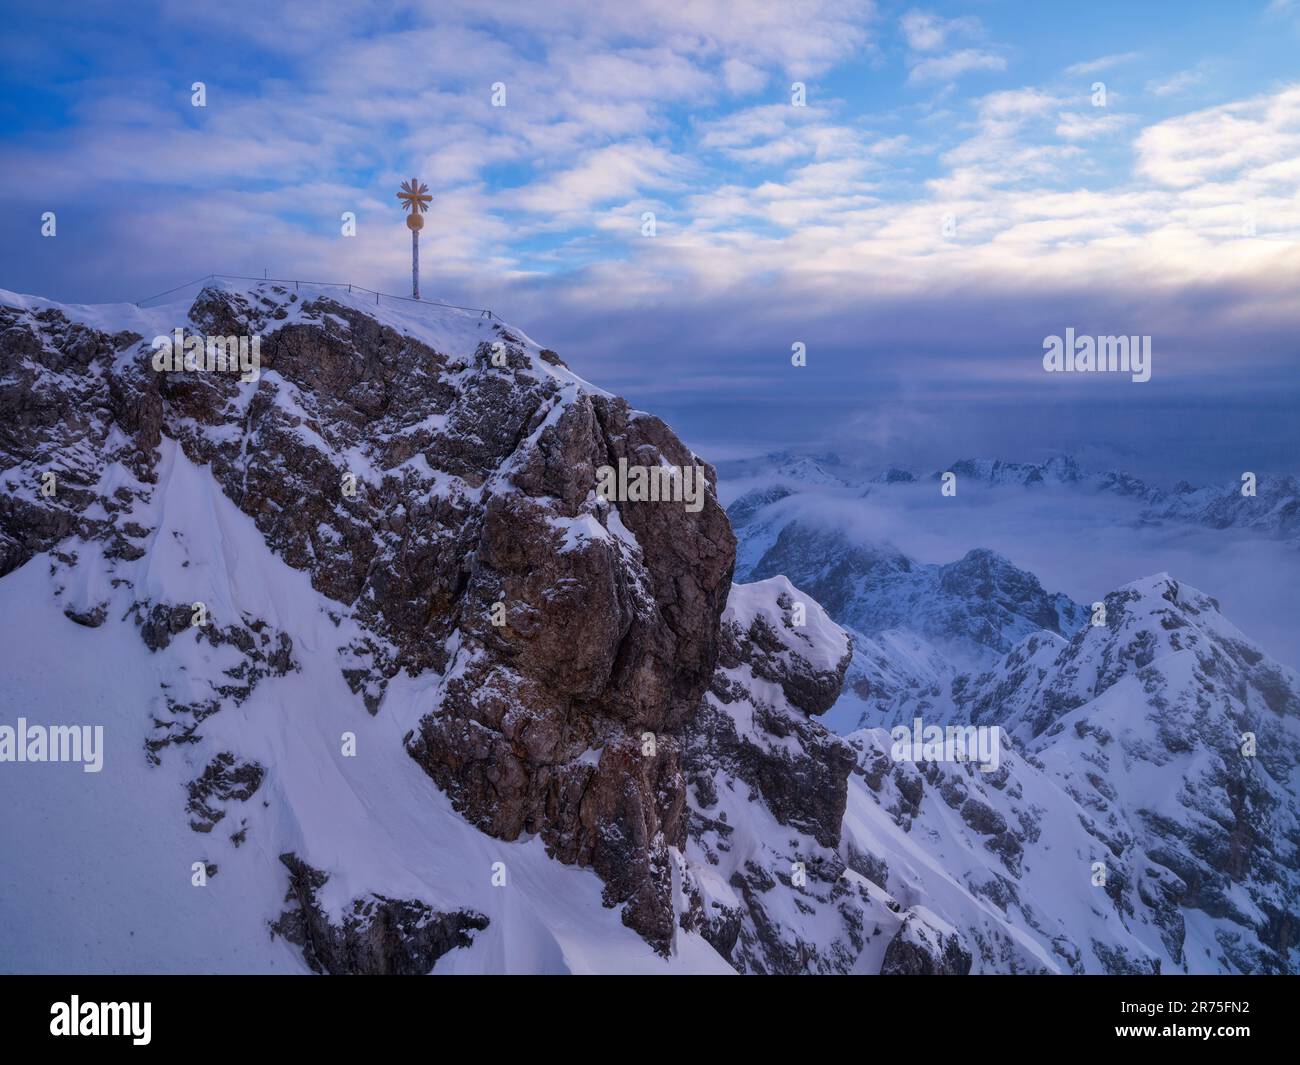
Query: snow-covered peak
[266, 306]
[795, 621]
[1056, 470]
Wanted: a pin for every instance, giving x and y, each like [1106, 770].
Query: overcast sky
[964, 180]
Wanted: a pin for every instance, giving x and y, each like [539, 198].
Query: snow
[577, 531]
[943, 862]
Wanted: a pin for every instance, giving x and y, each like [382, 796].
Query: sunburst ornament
[415, 199]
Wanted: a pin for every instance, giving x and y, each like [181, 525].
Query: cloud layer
[907, 191]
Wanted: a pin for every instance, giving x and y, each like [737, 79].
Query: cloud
[601, 176]
[775, 134]
[1082, 125]
[1175, 83]
[947, 67]
[801, 39]
[827, 219]
[1105, 62]
[1251, 141]
[741, 77]
[926, 32]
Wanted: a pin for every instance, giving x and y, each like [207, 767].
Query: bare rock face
[565, 720]
[224, 779]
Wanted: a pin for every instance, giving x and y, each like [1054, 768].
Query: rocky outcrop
[223, 780]
[565, 718]
[375, 936]
[777, 670]
[783, 875]
[918, 949]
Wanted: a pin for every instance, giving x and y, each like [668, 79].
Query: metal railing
[481, 311]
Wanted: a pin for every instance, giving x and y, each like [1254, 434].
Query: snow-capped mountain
[1135, 725]
[425, 645]
[1182, 739]
[812, 853]
[792, 468]
[387, 686]
[1058, 470]
[1274, 508]
[978, 603]
[915, 626]
[1095, 845]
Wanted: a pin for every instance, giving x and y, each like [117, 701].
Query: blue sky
[1171, 210]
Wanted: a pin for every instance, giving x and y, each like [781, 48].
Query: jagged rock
[778, 674]
[377, 936]
[263, 652]
[224, 779]
[774, 905]
[609, 635]
[92, 618]
[918, 949]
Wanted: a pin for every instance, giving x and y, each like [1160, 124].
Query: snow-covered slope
[1174, 742]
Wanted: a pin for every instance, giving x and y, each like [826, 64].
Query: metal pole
[415, 264]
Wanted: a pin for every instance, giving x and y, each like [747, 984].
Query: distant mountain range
[1142, 726]
[1124, 829]
[1274, 509]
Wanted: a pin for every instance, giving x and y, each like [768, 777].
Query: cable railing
[350, 286]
